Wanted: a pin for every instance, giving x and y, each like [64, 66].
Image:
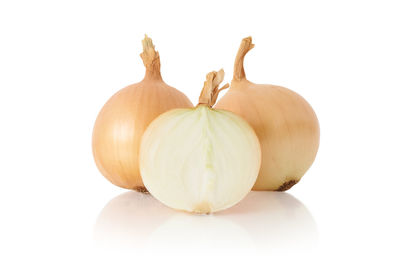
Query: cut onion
[200, 160]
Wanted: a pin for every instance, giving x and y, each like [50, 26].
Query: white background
[61, 60]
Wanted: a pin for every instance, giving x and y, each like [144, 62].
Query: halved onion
[200, 160]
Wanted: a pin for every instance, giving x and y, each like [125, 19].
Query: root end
[202, 208]
[141, 189]
[287, 185]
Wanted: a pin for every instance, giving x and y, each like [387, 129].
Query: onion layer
[123, 119]
[200, 160]
[285, 123]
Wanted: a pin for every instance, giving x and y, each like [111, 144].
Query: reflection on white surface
[199, 234]
[275, 220]
[128, 219]
[263, 220]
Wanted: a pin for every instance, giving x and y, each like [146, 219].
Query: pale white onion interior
[199, 160]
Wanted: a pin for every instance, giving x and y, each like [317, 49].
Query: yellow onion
[285, 123]
[200, 160]
[124, 118]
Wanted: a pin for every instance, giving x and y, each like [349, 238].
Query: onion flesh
[200, 160]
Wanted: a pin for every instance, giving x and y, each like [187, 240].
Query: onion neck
[151, 60]
[241, 84]
[238, 69]
[210, 91]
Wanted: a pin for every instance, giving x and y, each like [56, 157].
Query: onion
[123, 119]
[200, 160]
[285, 123]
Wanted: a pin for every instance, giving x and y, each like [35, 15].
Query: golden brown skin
[124, 118]
[284, 122]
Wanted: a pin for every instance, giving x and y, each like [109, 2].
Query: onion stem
[151, 59]
[210, 91]
[238, 70]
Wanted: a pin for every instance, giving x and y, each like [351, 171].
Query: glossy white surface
[61, 60]
[264, 221]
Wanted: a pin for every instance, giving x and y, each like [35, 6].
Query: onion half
[200, 160]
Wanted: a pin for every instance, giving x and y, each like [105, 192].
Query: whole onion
[285, 123]
[124, 118]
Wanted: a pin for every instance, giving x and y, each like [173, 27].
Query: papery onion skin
[123, 119]
[285, 123]
[200, 160]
